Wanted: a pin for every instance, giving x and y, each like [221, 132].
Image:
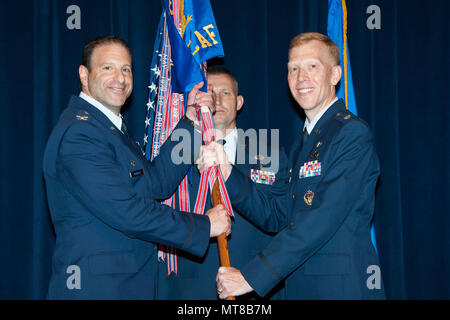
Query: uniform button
[293, 197]
[289, 180]
[290, 170]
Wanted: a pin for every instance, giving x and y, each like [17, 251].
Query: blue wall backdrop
[402, 83]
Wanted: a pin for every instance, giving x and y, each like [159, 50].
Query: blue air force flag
[194, 39]
[337, 31]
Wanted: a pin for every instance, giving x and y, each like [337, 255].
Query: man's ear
[84, 73]
[240, 102]
[336, 73]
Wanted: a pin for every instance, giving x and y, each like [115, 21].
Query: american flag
[187, 37]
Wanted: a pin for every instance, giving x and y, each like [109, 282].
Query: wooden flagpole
[222, 243]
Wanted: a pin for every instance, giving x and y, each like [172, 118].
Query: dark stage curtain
[401, 78]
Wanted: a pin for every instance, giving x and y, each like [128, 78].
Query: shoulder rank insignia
[341, 116]
[263, 177]
[310, 169]
[308, 197]
[82, 117]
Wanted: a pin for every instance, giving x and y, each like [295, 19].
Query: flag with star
[187, 37]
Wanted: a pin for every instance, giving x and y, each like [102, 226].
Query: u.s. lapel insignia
[318, 144]
[308, 197]
[314, 154]
[263, 177]
[310, 169]
[259, 158]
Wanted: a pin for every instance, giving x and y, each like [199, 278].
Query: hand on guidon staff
[212, 155]
[205, 99]
[231, 283]
[220, 221]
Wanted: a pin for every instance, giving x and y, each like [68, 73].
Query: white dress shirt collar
[310, 125]
[230, 145]
[115, 119]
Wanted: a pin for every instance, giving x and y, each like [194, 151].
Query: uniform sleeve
[176, 156]
[354, 164]
[264, 205]
[87, 167]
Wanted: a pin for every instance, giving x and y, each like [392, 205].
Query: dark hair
[221, 70]
[99, 41]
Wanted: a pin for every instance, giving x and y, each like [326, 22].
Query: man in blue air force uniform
[101, 190]
[195, 278]
[325, 250]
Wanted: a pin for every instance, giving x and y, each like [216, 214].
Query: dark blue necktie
[305, 136]
[124, 128]
[221, 141]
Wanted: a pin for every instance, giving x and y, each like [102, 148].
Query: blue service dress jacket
[102, 197]
[196, 277]
[325, 250]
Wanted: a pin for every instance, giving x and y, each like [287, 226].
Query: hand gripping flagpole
[219, 194]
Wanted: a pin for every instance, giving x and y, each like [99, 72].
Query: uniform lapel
[81, 104]
[295, 151]
[305, 152]
[249, 159]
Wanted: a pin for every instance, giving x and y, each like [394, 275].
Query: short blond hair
[304, 38]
